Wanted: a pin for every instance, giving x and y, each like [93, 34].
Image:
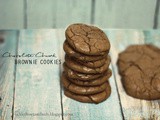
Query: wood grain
[125, 13]
[159, 17]
[110, 109]
[11, 14]
[72, 11]
[41, 14]
[133, 109]
[7, 74]
[60, 13]
[153, 37]
[37, 87]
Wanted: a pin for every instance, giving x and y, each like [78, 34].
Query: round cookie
[139, 66]
[95, 64]
[82, 90]
[79, 76]
[95, 98]
[81, 57]
[83, 69]
[87, 39]
[96, 82]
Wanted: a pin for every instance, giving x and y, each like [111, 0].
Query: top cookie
[139, 66]
[87, 39]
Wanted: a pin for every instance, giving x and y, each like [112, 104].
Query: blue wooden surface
[11, 14]
[125, 13]
[37, 87]
[41, 14]
[7, 69]
[139, 14]
[133, 108]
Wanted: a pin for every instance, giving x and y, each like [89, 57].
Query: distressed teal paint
[125, 13]
[11, 14]
[72, 11]
[7, 74]
[37, 88]
[61, 13]
[120, 39]
[152, 37]
[41, 14]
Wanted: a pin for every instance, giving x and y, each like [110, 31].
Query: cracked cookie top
[87, 39]
[139, 66]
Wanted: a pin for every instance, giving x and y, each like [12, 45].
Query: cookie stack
[86, 72]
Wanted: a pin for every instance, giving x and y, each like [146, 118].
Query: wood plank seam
[15, 70]
[25, 14]
[61, 87]
[114, 75]
[54, 18]
[155, 26]
[93, 2]
[61, 97]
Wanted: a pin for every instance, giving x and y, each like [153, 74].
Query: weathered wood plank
[159, 16]
[37, 89]
[7, 74]
[110, 109]
[153, 37]
[125, 13]
[41, 13]
[57, 13]
[133, 109]
[11, 14]
[72, 11]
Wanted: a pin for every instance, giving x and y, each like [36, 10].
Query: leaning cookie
[79, 56]
[139, 66]
[71, 74]
[95, 98]
[82, 90]
[83, 69]
[88, 40]
[95, 82]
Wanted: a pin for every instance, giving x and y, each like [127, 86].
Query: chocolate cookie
[95, 64]
[79, 76]
[83, 69]
[139, 66]
[95, 82]
[81, 57]
[87, 39]
[82, 90]
[95, 98]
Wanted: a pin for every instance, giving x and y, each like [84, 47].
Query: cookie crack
[72, 33]
[152, 79]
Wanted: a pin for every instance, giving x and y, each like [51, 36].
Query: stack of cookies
[86, 66]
